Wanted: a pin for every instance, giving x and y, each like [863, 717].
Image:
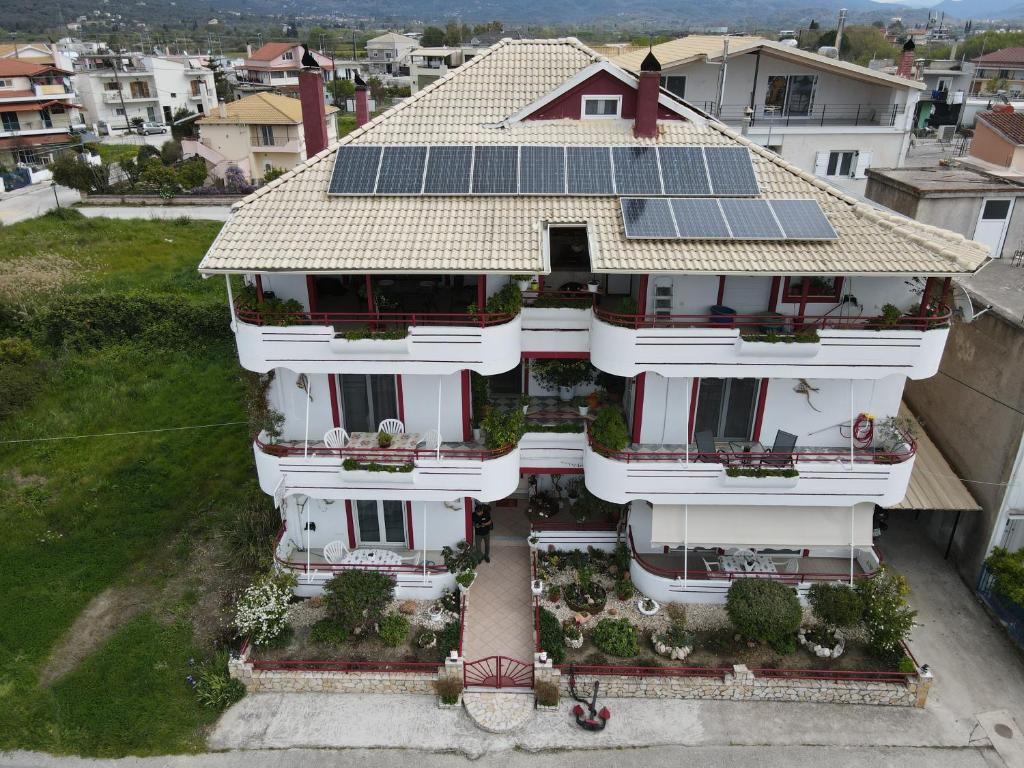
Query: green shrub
[251, 534]
[552, 637]
[170, 152]
[609, 429]
[192, 173]
[16, 350]
[617, 637]
[507, 300]
[393, 630]
[262, 611]
[765, 611]
[448, 689]
[328, 632]
[214, 687]
[624, 590]
[502, 428]
[357, 599]
[19, 385]
[1007, 569]
[552, 373]
[887, 617]
[835, 605]
[447, 639]
[907, 665]
[546, 694]
[461, 557]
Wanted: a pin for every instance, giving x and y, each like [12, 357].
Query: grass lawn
[115, 153]
[81, 516]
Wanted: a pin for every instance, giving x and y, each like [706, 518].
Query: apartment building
[115, 89]
[255, 133]
[1001, 70]
[472, 250]
[37, 111]
[428, 64]
[388, 54]
[828, 117]
[276, 66]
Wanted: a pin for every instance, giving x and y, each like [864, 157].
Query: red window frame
[792, 293]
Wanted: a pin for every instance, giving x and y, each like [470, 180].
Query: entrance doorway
[726, 407]
[366, 400]
[992, 224]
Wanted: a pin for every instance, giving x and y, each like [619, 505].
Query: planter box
[376, 346]
[760, 482]
[746, 348]
[366, 476]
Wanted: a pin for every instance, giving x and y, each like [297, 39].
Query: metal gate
[498, 672]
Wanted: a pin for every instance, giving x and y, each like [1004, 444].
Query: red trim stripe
[369, 296]
[641, 301]
[350, 521]
[762, 397]
[469, 519]
[773, 300]
[557, 355]
[693, 409]
[332, 385]
[400, 394]
[408, 524]
[638, 406]
[481, 293]
[259, 288]
[311, 292]
[467, 392]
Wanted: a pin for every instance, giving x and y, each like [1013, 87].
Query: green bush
[250, 537]
[192, 173]
[261, 613]
[1007, 569]
[448, 689]
[552, 637]
[170, 152]
[552, 373]
[624, 590]
[507, 300]
[214, 687]
[19, 385]
[328, 632]
[503, 428]
[16, 350]
[393, 630]
[765, 611]
[609, 429]
[835, 605]
[357, 599]
[887, 617]
[546, 694]
[448, 639]
[617, 637]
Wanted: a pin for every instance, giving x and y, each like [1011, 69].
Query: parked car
[147, 128]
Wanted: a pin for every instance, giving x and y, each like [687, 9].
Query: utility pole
[120, 94]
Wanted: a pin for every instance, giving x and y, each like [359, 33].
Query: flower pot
[477, 434]
[524, 285]
[584, 410]
[525, 409]
[565, 394]
[532, 543]
[593, 286]
[646, 610]
[537, 587]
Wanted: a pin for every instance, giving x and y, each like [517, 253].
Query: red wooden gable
[570, 103]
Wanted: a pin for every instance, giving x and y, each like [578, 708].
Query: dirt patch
[102, 617]
[25, 481]
[26, 277]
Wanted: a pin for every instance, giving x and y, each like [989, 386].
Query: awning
[761, 526]
[934, 485]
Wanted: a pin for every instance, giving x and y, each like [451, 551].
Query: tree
[377, 90]
[341, 89]
[432, 37]
[220, 82]
[170, 152]
[192, 173]
[273, 173]
[185, 130]
[137, 122]
[70, 170]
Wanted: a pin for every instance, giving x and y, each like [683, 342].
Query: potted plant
[523, 281]
[524, 401]
[647, 606]
[894, 436]
[543, 505]
[593, 286]
[503, 428]
[534, 284]
[384, 439]
[465, 580]
[562, 376]
[426, 639]
[533, 540]
[537, 587]
[435, 612]
[583, 405]
[555, 593]
[572, 490]
[572, 633]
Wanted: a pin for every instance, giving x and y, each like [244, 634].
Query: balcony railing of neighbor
[376, 321]
[385, 455]
[767, 322]
[819, 114]
[301, 565]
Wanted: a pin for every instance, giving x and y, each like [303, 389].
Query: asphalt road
[20, 204]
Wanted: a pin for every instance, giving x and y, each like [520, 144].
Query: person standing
[482, 527]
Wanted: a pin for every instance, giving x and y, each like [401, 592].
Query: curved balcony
[397, 342]
[813, 476]
[454, 470]
[767, 345]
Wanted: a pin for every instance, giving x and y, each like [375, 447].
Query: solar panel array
[361, 169]
[710, 218]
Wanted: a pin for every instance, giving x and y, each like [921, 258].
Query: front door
[726, 407]
[991, 229]
[380, 522]
[366, 400]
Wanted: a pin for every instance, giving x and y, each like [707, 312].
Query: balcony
[115, 97]
[807, 476]
[768, 345]
[261, 143]
[819, 115]
[454, 470]
[557, 321]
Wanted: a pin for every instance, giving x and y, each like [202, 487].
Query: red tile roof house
[999, 139]
[37, 109]
[643, 236]
[1005, 64]
[275, 66]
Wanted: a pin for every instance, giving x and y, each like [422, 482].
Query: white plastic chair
[335, 551]
[793, 566]
[336, 438]
[711, 565]
[431, 439]
[413, 559]
[391, 426]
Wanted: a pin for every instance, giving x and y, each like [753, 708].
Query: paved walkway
[35, 200]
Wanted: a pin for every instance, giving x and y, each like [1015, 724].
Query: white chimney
[248, 50]
[222, 109]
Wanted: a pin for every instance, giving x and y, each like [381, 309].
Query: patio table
[406, 441]
[747, 564]
[371, 557]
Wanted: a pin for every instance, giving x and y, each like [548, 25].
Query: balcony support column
[686, 545]
[259, 288]
[231, 300]
[853, 515]
[922, 311]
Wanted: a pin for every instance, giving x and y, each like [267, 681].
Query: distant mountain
[980, 9]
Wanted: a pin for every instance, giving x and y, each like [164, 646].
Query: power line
[121, 434]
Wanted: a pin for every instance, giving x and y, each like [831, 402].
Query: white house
[826, 116]
[387, 54]
[752, 329]
[275, 66]
[428, 64]
[37, 110]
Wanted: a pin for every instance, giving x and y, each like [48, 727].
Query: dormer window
[601, 106]
[287, 56]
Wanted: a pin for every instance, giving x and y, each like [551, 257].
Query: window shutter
[863, 163]
[820, 163]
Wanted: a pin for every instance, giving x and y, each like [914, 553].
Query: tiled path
[499, 620]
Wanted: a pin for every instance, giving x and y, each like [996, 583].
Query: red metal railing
[705, 575]
[300, 565]
[462, 620]
[541, 525]
[334, 665]
[498, 672]
[377, 321]
[579, 299]
[753, 459]
[758, 321]
[384, 455]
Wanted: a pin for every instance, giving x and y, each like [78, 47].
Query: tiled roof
[261, 108]
[292, 224]
[392, 37]
[1010, 124]
[26, 68]
[271, 51]
[1003, 56]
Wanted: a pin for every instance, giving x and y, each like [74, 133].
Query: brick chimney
[645, 124]
[314, 112]
[905, 67]
[362, 102]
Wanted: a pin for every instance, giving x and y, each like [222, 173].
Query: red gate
[498, 672]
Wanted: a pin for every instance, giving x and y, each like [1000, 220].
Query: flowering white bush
[262, 611]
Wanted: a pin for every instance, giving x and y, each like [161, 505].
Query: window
[119, 111]
[790, 95]
[841, 163]
[110, 85]
[996, 209]
[366, 400]
[9, 120]
[266, 135]
[675, 84]
[278, 75]
[380, 522]
[726, 407]
[601, 106]
[287, 56]
[174, 95]
[5, 83]
[819, 289]
[195, 87]
[140, 89]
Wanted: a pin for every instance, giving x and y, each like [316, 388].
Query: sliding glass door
[366, 400]
[726, 407]
[381, 522]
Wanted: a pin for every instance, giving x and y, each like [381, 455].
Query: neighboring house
[428, 64]
[388, 54]
[36, 53]
[1004, 67]
[826, 116]
[978, 205]
[256, 133]
[999, 139]
[37, 110]
[542, 158]
[946, 84]
[276, 67]
[115, 89]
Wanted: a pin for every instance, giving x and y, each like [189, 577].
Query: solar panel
[636, 171]
[699, 218]
[683, 171]
[803, 220]
[542, 171]
[731, 171]
[647, 217]
[401, 171]
[448, 171]
[355, 170]
[496, 170]
[589, 171]
[750, 219]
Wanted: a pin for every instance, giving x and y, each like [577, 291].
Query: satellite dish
[963, 307]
